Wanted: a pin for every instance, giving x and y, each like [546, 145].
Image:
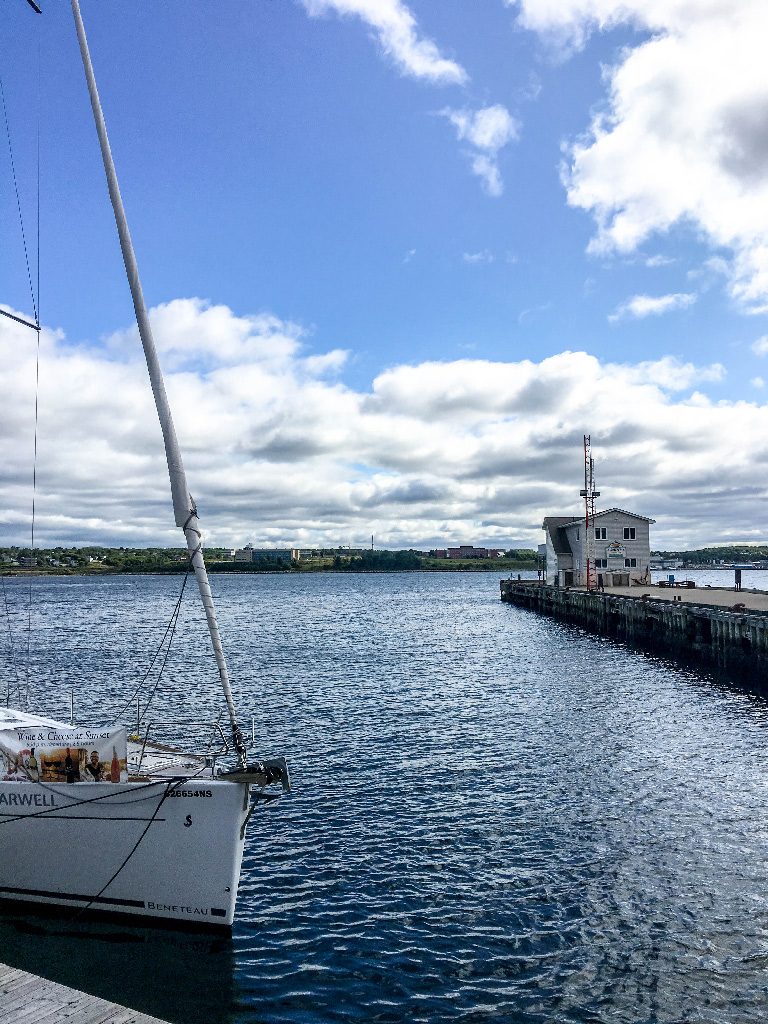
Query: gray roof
[552, 525]
[570, 521]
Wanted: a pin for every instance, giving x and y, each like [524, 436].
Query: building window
[577, 535]
[629, 533]
[601, 563]
[630, 563]
[601, 533]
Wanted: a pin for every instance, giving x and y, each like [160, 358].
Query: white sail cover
[45, 754]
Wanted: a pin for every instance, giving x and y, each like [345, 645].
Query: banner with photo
[44, 754]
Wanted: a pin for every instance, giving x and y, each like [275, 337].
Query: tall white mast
[184, 509]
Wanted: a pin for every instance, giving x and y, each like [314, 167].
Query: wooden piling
[732, 639]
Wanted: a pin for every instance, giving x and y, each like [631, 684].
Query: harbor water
[495, 818]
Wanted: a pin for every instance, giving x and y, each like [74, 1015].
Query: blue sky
[415, 185]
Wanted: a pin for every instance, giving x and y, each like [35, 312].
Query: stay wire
[18, 199]
[36, 308]
[171, 786]
[170, 629]
[9, 819]
[34, 500]
[35, 297]
[39, 108]
[177, 780]
[151, 697]
[11, 650]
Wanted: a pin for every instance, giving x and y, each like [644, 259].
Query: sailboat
[93, 820]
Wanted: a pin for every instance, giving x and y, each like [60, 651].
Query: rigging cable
[165, 659]
[35, 296]
[34, 496]
[171, 786]
[170, 629]
[36, 309]
[18, 198]
[11, 651]
[9, 819]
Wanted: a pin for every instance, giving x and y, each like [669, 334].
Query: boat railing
[197, 747]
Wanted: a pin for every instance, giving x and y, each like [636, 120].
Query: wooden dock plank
[28, 999]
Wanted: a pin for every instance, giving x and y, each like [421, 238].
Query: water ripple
[496, 817]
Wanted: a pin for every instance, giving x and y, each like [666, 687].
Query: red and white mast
[589, 494]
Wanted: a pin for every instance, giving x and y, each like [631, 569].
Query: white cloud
[659, 261]
[672, 375]
[193, 333]
[684, 137]
[757, 382]
[571, 21]
[279, 450]
[640, 306]
[760, 347]
[532, 311]
[487, 131]
[482, 256]
[397, 32]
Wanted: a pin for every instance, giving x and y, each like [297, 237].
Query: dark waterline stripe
[72, 817]
[112, 901]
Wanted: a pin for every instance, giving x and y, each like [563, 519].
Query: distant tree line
[99, 560]
[379, 561]
[721, 553]
[258, 565]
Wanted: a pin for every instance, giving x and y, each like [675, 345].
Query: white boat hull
[61, 844]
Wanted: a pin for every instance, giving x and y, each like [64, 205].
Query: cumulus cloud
[279, 450]
[760, 347]
[397, 32]
[570, 22]
[640, 306]
[684, 136]
[487, 131]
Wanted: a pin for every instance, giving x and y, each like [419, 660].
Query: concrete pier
[724, 629]
[29, 999]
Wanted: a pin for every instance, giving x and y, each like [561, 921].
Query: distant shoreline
[222, 569]
[501, 566]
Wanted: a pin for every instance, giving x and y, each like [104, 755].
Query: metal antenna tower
[589, 494]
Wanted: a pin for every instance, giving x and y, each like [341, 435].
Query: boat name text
[172, 909]
[26, 800]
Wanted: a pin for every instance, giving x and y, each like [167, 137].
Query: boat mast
[184, 509]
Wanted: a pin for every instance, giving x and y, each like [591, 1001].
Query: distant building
[252, 554]
[468, 551]
[297, 554]
[271, 555]
[620, 544]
